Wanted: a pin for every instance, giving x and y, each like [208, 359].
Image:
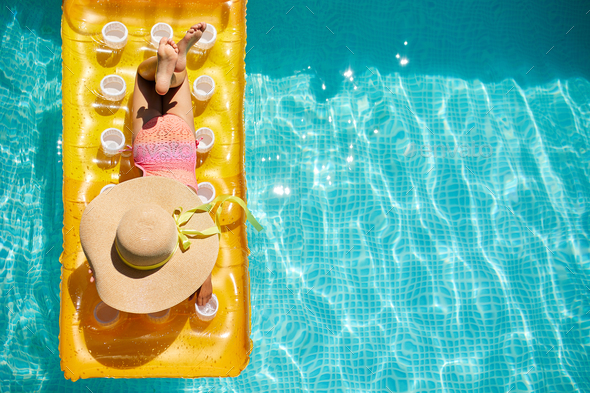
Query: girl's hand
[204, 293]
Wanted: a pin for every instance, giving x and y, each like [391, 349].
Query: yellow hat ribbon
[182, 218]
[143, 267]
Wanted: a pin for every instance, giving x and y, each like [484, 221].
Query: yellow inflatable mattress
[136, 345]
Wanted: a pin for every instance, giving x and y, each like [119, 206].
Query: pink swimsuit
[166, 146]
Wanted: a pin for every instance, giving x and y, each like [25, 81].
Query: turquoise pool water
[428, 216]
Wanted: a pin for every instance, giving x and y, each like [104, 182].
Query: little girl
[164, 142]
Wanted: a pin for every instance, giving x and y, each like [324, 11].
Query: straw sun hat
[132, 239]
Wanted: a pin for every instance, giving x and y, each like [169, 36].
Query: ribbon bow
[182, 218]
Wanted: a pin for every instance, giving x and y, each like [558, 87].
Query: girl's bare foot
[192, 36]
[167, 56]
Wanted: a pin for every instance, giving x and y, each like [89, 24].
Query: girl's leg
[161, 68]
[148, 68]
[147, 104]
[154, 78]
[178, 102]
